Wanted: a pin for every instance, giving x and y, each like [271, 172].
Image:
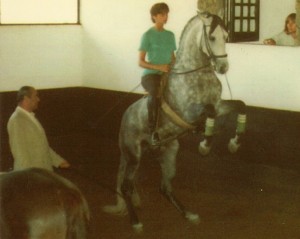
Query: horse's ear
[205, 16]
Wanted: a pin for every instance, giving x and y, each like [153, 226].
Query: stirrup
[155, 140]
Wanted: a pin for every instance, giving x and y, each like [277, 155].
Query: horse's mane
[217, 21]
[186, 27]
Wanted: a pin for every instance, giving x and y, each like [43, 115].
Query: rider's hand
[164, 68]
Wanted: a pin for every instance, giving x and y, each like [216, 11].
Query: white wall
[103, 53]
[41, 56]
[112, 37]
[264, 76]
[257, 74]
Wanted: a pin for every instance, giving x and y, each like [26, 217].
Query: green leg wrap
[209, 127]
[241, 124]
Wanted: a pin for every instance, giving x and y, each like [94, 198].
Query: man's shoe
[155, 138]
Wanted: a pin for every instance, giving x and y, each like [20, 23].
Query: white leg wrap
[203, 148]
[192, 217]
[233, 146]
[138, 228]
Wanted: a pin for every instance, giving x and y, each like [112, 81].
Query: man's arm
[57, 160]
[19, 148]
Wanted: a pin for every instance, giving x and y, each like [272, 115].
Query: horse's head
[213, 41]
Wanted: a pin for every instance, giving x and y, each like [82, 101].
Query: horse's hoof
[115, 210]
[138, 228]
[203, 149]
[192, 217]
[233, 146]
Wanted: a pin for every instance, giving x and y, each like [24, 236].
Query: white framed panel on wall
[39, 11]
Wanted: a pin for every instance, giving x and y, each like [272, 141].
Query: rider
[158, 45]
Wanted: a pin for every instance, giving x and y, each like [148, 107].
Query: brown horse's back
[36, 203]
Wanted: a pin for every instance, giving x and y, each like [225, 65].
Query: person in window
[27, 138]
[156, 54]
[288, 36]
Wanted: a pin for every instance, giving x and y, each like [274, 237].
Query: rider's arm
[173, 58]
[145, 64]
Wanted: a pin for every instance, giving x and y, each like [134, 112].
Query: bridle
[209, 50]
[211, 55]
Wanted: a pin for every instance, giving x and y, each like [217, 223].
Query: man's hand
[64, 164]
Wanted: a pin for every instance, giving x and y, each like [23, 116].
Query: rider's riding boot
[153, 105]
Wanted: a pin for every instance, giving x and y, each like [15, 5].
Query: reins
[191, 71]
[228, 85]
[115, 105]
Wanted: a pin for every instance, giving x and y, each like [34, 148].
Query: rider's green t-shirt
[159, 46]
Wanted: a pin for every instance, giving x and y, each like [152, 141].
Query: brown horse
[39, 204]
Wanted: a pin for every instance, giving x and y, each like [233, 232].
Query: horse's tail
[120, 207]
[78, 215]
[53, 206]
[74, 205]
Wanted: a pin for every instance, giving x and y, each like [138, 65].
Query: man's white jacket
[28, 142]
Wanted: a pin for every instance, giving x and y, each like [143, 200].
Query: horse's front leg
[205, 144]
[227, 106]
[168, 166]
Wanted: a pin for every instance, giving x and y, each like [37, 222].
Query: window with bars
[39, 12]
[242, 20]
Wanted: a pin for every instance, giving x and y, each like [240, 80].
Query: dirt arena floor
[250, 195]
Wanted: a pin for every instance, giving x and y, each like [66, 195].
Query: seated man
[27, 138]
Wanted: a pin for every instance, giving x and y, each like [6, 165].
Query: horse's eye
[211, 38]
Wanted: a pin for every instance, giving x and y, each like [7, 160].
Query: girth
[175, 118]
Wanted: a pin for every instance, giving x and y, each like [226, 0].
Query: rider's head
[158, 8]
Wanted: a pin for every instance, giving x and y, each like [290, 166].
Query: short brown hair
[158, 8]
[24, 91]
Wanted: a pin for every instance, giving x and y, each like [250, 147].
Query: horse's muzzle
[221, 67]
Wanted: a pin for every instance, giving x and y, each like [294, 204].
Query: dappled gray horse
[39, 204]
[191, 97]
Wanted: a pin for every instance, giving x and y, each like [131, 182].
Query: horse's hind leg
[128, 190]
[227, 106]
[168, 166]
[127, 196]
